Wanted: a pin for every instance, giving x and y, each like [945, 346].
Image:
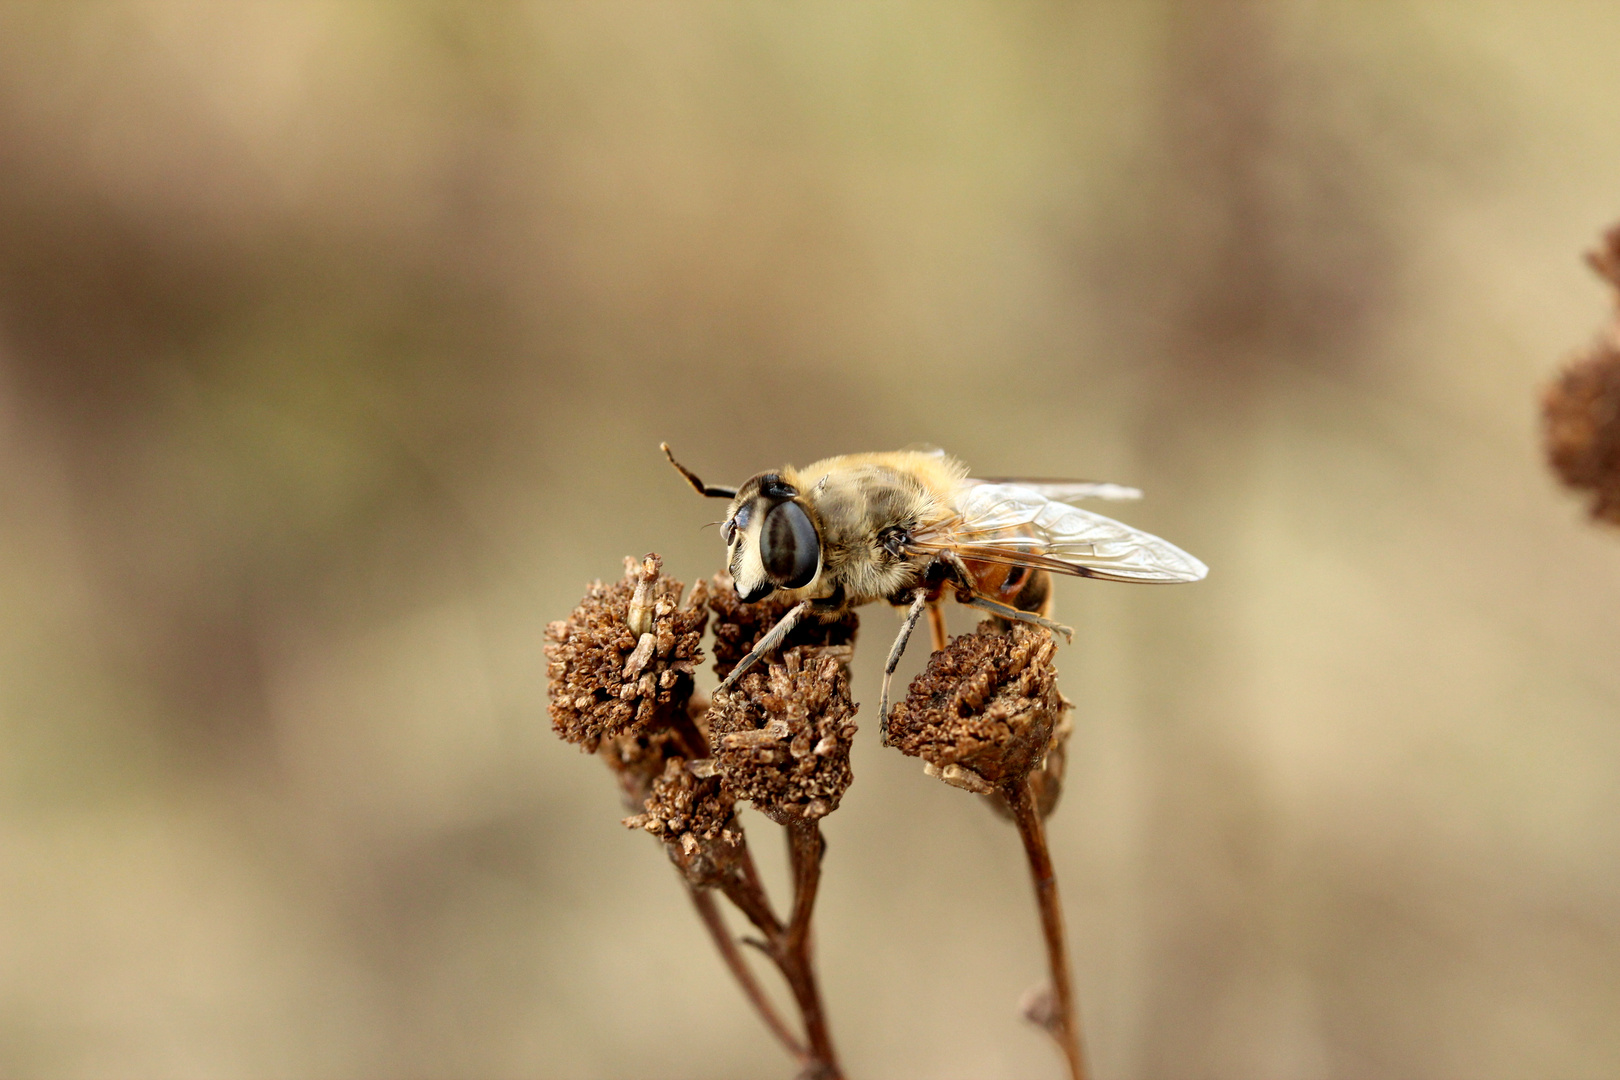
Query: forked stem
[709, 912]
[805, 847]
[788, 946]
[1064, 1021]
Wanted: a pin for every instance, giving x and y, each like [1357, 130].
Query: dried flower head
[626, 654]
[781, 737]
[1045, 780]
[739, 626]
[1605, 261]
[637, 758]
[1581, 410]
[691, 811]
[1581, 414]
[983, 712]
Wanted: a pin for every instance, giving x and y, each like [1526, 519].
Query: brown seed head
[696, 817]
[1606, 259]
[1581, 410]
[623, 661]
[781, 737]
[982, 714]
[1581, 415]
[1046, 779]
[637, 758]
[739, 626]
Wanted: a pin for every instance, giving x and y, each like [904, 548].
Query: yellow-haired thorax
[857, 502]
[937, 472]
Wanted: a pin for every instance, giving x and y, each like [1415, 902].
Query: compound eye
[789, 546]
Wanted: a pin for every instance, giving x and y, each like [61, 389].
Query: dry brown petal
[739, 626]
[781, 737]
[607, 680]
[983, 712]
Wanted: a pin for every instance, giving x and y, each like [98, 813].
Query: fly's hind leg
[1036, 595]
[912, 615]
[995, 607]
[936, 623]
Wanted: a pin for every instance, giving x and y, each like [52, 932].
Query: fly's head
[772, 541]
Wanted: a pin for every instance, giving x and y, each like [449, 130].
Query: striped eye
[789, 546]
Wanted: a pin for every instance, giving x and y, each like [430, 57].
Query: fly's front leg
[912, 615]
[771, 640]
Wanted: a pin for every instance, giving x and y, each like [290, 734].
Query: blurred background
[336, 344]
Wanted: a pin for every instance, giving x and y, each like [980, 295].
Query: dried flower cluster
[1581, 410]
[621, 678]
[985, 715]
[627, 652]
[782, 737]
[984, 711]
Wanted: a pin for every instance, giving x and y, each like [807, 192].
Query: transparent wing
[924, 448]
[1017, 525]
[1068, 491]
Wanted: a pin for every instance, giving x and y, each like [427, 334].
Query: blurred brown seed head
[624, 656]
[983, 712]
[1581, 410]
[781, 737]
[1606, 259]
[739, 626]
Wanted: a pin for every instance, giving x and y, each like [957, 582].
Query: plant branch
[788, 946]
[703, 900]
[743, 888]
[806, 847]
[1063, 1022]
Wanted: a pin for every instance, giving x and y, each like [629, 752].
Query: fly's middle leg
[913, 614]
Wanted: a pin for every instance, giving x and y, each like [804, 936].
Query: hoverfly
[911, 526]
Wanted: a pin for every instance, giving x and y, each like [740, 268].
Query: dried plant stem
[789, 946]
[806, 847]
[620, 672]
[709, 912]
[687, 736]
[1063, 1023]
